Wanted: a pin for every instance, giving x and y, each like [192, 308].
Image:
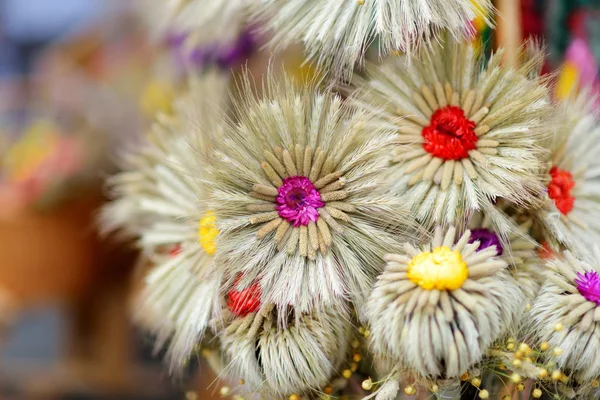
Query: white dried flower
[469, 132]
[519, 250]
[274, 360]
[570, 296]
[207, 21]
[338, 32]
[437, 309]
[164, 202]
[572, 205]
[297, 186]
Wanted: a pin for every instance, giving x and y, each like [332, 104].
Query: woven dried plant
[338, 32]
[573, 192]
[570, 297]
[470, 133]
[298, 189]
[437, 309]
[161, 197]
[206, 21]
[520, 251]
[275, 360]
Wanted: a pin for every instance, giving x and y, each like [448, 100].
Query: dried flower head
[164, 201]
[519, 250]
[569, 297]
[469, 132]
[275, 360]
[573, 191]
[437, 309]
[298, 189]
[338, 32]
[206, 22]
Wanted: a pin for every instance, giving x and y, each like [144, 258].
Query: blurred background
[80, 80]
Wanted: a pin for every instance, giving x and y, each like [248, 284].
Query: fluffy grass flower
[275, 360]
[573, 188]
[338, 32]
[437, 309]
[297, 187]
[520, 250]
[160, 196]
[206, 22]
[569, 296]
[469, 132]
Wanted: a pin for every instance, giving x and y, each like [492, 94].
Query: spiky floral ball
[437, 309]
[569, 215]
[569, 296]
[159, 198]
[469, 132]
[338, 32]
[298, 190]
[518, 249]
[205, 22]
[280, 355]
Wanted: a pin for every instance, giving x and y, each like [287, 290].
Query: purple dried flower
[298, 201]
[588, 285]
[239, 51]
[486, 238]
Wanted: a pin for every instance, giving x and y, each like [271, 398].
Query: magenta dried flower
[298, 201]
[588, 285]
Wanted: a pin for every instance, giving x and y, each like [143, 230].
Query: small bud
[517, 363]
[294, 397]
[544, 346]
[410, 390]
[519, 354]
[191, 396]
[353, 367]
[464, 376]
[328, 390]
[225, 391]
[556, 375]
[476, 382]
[510, 346]
[367, 333]
[521, 387]
[355, 343]
[536, 393]
[558, 327]
[543, 373]
[484, 394]
[367, 384]
[515, 378]
[435, 388]
[357, 357]
[595, 383]
[242, 381]
[557, 351]
[524, 348]
[347, 373]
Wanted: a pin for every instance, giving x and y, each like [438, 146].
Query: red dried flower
[450, 134]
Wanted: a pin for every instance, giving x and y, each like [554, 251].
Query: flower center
[588, 285]
[450, 135]
[441, 269]
[244, 302]
[560, 188]
[207, 233]
[298, 201]
[486, 238]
